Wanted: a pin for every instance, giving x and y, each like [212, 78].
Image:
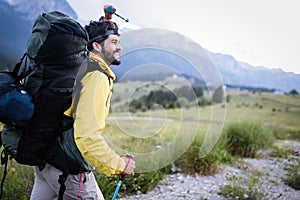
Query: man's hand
[129, 164]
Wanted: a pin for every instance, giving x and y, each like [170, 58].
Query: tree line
[184, 96]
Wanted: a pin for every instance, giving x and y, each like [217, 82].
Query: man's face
[111, 50]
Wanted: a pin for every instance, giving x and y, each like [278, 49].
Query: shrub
[203, 102]
[280, 152]
[292, 178]
[242, 187]
[191, 163]
[228, 98]
[245, 139]
[238, 192]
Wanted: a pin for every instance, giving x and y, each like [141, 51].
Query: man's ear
[96, 46]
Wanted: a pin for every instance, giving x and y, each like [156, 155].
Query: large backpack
[55, 51]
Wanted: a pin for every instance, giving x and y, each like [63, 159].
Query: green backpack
[55, 52]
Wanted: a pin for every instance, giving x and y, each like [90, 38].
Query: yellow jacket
[89, 121]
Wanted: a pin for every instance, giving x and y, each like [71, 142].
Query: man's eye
[115, 41]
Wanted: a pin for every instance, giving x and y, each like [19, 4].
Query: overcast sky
[258, 32]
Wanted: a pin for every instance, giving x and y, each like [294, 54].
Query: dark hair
[98, 31]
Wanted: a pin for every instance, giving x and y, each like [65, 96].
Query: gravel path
[268, 172]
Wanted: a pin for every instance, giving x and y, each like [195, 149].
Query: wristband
[130, 157]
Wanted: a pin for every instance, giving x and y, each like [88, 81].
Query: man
[89, 115]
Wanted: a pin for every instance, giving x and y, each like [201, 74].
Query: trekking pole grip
[121, 177]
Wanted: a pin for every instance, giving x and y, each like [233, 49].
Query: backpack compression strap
[23, 68]
[4, 159]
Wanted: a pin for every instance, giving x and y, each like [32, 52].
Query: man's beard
[109, 57]
[116, 62]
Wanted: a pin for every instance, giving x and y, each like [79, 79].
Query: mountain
[148, 47]
[16, 21]
[242, 74]
[29, 9]
[156, 52]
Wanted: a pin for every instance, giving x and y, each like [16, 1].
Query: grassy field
[158, 133]
[280, 112]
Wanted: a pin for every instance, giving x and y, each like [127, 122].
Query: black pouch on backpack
[15, 103]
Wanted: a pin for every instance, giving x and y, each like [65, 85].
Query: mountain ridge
[261, 76]
[232, 72]
[16, 26]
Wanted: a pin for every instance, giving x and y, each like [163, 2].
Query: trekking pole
[120, 181]
[118, 187]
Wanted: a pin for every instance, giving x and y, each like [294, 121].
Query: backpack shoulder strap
[88, 66]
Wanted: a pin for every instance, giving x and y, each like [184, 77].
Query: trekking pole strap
[62, 179]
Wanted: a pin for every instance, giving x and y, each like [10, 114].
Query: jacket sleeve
[92, 109]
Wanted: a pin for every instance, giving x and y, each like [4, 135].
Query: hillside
[16, 21]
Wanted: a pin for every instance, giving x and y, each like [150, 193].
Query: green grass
[285, 118]
[19, 181]
[292, 177]
[246, 185]
[245, 139]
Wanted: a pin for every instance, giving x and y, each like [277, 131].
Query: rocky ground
[262, 175]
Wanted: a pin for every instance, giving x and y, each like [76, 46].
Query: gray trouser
[46, 186]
